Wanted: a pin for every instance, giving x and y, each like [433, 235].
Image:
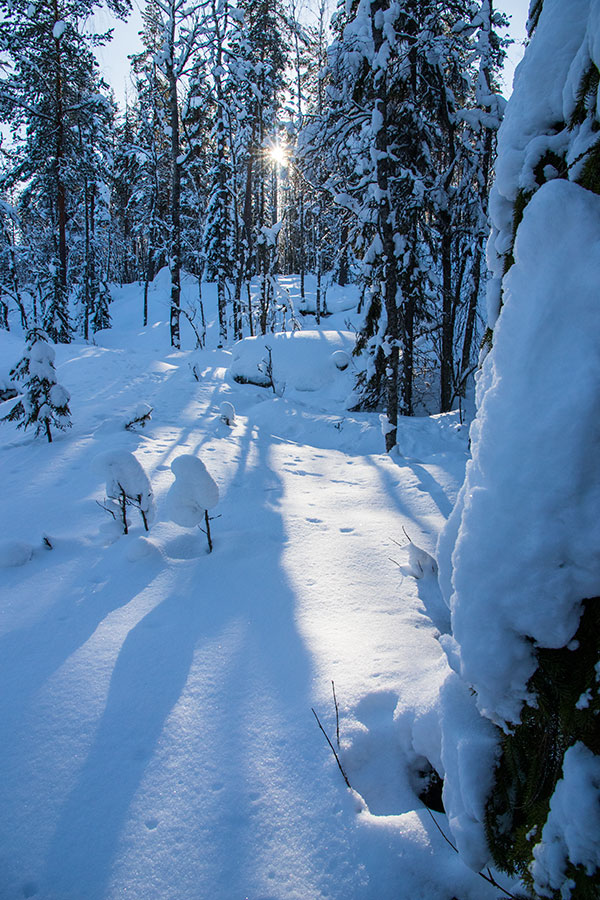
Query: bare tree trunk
[175, 252]
[447, 355]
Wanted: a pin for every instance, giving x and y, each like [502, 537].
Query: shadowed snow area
[158, 740]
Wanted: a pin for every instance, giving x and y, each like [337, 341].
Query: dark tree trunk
[175, 252]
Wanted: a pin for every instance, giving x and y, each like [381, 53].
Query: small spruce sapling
[128, 485]
[45, 403]
[192, 494]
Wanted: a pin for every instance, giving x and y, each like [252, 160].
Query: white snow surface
[158, 740]
[573, 825]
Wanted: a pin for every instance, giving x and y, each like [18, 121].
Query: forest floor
[158, 739]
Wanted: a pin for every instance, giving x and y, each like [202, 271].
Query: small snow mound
[340, 359]
[142, 548]
[299, 359]
[14, 553]
[420, 562]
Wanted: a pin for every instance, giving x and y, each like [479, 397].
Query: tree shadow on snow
[260, 676]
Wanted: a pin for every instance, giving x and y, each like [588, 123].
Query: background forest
[257, 145]
[306, 250]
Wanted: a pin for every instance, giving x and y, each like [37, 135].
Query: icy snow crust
[157, 734]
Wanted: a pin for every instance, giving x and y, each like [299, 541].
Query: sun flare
[278, 154]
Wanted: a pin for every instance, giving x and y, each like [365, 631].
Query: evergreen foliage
[564, 710]
[45, 404]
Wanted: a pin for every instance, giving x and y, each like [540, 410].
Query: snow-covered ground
[158, 741]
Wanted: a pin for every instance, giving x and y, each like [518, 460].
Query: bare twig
[489, 877]
[106, 509]
[337, 714]
[333, 750]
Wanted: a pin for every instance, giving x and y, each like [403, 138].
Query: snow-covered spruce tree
[45, 403]
[386, 72]
[144, 159]
[470, 113]
[218, 233]
[90, 231]
[12, 259]
[518, 559]
[48, 88]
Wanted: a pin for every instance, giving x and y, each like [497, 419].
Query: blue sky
[115, 65]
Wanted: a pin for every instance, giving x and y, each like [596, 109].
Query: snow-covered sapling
[128, 485]
[44, 403]
[265, 367]
[192, 494]
[227, 412]
[138, 418]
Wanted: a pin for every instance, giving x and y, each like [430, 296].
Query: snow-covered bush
[138, 417]
[519, 558]
[227, 412]
[128, 486]
[45, 403]
[192, 494]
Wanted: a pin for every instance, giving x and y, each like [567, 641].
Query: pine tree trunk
[389, 262]
[61, 201]
[175, 252]
[447, 356]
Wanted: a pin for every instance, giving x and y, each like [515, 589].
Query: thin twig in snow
[333, 750]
